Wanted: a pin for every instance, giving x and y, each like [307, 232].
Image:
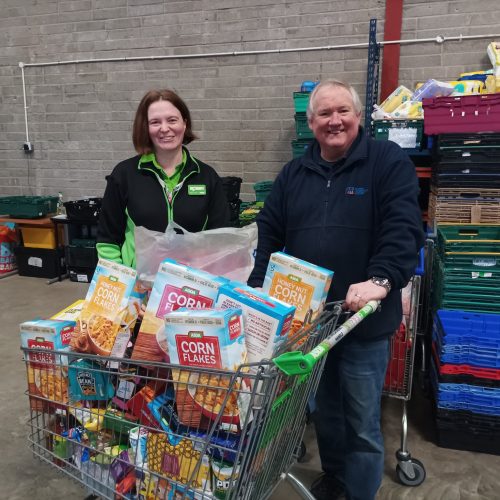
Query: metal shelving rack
[372, 76]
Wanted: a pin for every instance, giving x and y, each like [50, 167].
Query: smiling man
[350, 204]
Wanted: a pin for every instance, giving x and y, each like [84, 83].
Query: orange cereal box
[299, 283]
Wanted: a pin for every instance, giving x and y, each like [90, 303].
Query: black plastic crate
[81, 274]
[39, 262]
[232, 187]
[86, 210]
[81, 256]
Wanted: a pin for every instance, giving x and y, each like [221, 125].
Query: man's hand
[361, 293]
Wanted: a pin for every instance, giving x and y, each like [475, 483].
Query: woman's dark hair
[140, 132]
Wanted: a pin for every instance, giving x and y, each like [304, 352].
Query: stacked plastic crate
[303, 132]
[466, 380]
[464, 208]
[231, 186]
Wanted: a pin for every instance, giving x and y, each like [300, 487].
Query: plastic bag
[227, 251]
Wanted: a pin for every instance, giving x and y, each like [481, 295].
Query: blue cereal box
[47, 372]
[175, 286]
[298, 283]
[267, 321]
[49, 334]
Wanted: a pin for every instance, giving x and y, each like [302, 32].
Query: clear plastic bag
[225, 251]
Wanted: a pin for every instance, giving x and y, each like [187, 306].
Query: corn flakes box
[299, 283]
[47, 372]
[100, 327]
[175, 286]
[267, 320]
[206, 339]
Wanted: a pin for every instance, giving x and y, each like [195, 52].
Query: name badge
[197, 189]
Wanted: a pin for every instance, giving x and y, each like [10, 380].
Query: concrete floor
[451, 474]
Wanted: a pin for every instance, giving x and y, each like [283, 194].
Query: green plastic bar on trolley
[298, 363]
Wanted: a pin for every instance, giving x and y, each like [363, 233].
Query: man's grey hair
[334, 83]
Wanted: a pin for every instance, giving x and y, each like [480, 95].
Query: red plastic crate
[398, 367]
[468, 113]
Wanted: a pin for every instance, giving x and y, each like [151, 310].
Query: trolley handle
[298, 363]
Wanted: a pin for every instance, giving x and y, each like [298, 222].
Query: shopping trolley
[399, 379]
[160, 431]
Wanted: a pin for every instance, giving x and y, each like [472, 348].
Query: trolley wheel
[301, 452]
[418, 469]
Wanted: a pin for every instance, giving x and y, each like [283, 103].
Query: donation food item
[266, 320]
[298, 283]
[396, 98]
[493, 52]
[101, 328]
[178, 460]
[206, 339]
[47, 375]
[70, 313]
[432, 88]
[175, 286]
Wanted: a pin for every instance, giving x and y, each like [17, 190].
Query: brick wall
[80, 115]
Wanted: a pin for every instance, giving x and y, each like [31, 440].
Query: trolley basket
[163, 431]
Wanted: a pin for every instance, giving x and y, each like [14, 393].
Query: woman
[162, 183]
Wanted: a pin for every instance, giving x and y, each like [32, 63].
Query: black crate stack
[232, 187]
[80, 250]
[466, 179]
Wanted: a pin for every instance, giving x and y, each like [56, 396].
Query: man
[350, 204]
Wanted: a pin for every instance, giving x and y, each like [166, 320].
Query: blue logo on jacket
[355, 191]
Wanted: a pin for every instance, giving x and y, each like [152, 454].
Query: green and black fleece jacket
[137, 195]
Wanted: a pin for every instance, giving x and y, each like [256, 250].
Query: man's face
[334, 121]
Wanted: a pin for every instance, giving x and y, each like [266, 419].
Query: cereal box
[100, 329]
[175, 286]
[206, 339]
[298, 283]
[47, 373]
[266, 320]
[71, 313]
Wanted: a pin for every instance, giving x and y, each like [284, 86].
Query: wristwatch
[385, 282]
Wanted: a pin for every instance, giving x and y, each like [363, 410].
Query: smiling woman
[162, 183]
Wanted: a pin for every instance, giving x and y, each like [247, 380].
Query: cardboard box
[266, 320]
[47, 372]
[175, 286]
[70, 313]
[298, 283]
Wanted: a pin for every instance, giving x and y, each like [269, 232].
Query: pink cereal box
[175, 286]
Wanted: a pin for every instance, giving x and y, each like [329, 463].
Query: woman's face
[166, 126]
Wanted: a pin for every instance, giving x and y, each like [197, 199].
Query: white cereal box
[298, 283]
[175, 286]
[266, 320]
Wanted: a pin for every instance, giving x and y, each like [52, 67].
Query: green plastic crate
[300, 101]
[464, 238]
[406, 133]
[299, 147]
[302, 128]
[28, 207]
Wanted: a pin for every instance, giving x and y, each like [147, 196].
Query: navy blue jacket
[359, 218]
